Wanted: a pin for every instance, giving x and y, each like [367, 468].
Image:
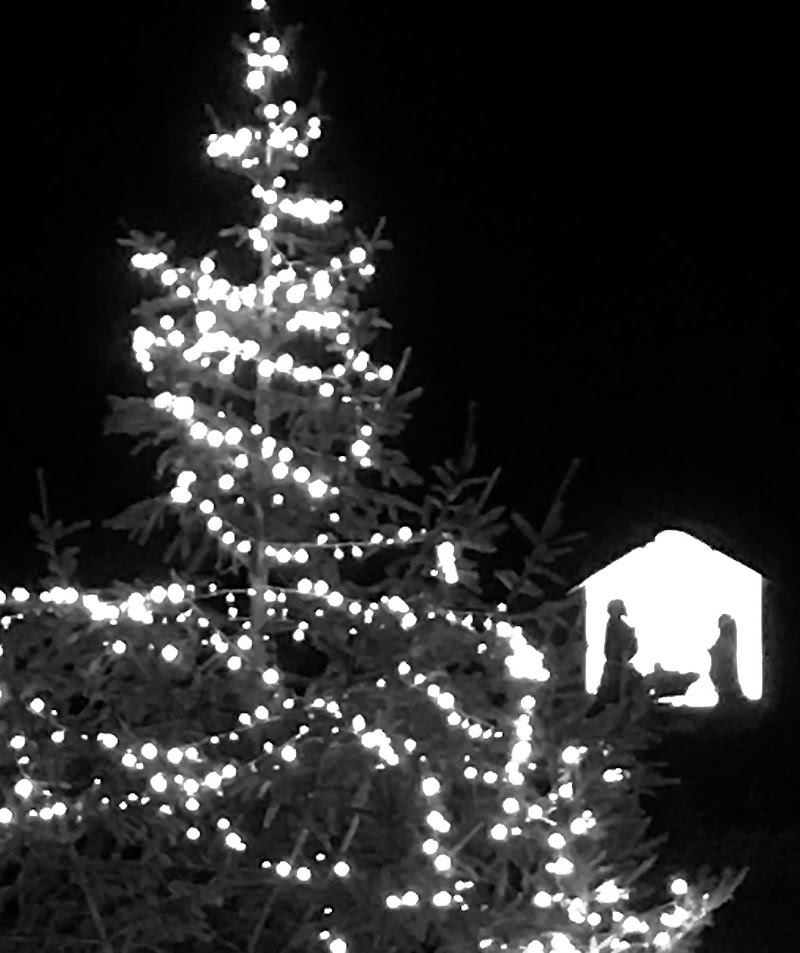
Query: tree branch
[93, 909]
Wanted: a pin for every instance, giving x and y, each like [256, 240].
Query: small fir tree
[321, 736]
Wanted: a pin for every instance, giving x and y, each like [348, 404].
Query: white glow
[675, 589]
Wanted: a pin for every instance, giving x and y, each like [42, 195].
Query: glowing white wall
[675, 590]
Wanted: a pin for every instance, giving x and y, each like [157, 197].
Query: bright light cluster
[281, 296]
[180, 779]
[164, 778]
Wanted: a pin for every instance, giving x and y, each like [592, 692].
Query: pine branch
[90, 902]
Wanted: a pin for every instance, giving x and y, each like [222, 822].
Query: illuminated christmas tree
[323, 737]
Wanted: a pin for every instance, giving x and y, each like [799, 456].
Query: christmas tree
[321, 735]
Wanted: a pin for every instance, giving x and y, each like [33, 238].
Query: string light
[207, 329]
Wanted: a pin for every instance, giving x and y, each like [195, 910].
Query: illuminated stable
[675, 590]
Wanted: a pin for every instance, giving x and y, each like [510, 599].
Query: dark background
[592, 215]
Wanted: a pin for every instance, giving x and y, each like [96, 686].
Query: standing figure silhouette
[724, 670]
[620, 647]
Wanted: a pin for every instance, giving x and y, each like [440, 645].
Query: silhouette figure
[724, 669]
[661, 683]
[620, 647]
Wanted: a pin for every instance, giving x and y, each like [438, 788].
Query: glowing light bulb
[23, 788]
[607, 892]
[570, 755]
[430, 786]
[183, 407]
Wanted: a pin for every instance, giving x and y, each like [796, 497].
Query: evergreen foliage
[320, 734]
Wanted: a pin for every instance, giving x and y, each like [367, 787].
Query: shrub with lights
[322, 737]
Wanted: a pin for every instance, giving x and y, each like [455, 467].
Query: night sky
[592, 221]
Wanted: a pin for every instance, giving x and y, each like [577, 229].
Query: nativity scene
[680, 616]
